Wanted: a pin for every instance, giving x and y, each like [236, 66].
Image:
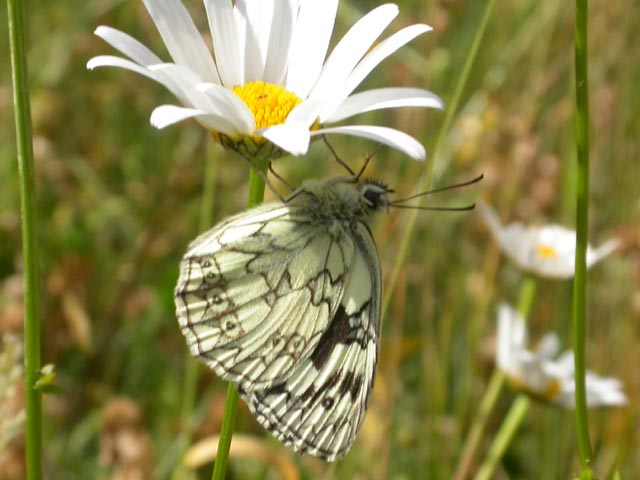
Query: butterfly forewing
[255, 294]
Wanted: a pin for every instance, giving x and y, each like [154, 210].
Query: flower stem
[527, 294]
[33, 433]
[256, 195]
[490, 397]
[582, 225]
[504, 436]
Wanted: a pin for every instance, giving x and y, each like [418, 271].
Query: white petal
[548, 346]
[279, 42]
[184, 83]
[257, 15]
[227, 110]
[505, 356]
[348, 52]
[128, 45]
[311, 35]
[373, 58]
[604, 391]
[601, 391]
[597, 254]
[384, 98]
[181, 82]
[306, 112]
[111, 61]
[388, 136]
[231, 106]
[180, 35]
[491, 219]
[292, 137]
[166, 115]
[228, 42]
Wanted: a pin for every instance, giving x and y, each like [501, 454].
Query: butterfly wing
[256, 293]
[319, 409]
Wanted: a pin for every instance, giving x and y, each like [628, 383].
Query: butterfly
[283, 300]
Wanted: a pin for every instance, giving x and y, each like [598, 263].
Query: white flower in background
[536, 373]
[548, 251]
[268, 77]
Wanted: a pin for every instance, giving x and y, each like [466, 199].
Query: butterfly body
[283, 300]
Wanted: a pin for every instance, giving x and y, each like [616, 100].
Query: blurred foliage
[118, 202]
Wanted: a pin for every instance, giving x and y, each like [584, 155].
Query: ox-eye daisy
[536, 373]
[268, 77]
[548, 251]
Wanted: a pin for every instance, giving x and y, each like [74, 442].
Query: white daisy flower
[548, 251]
[536, 373]
[268, 77]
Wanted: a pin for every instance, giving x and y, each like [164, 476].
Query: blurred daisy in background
[537, 374]
[548, 251]
[269, 77]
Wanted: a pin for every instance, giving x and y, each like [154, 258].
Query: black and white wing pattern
[283, 300]
[256, 293]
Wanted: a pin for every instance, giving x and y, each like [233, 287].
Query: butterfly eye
[374, 195]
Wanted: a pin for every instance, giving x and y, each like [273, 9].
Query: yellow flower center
[553, 390]
[546, 252]
[547, 395]
[270, 104]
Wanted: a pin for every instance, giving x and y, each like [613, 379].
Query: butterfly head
[374, 194]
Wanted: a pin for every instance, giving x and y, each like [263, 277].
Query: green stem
[582, 225]
[33, 433]
[472, 441]
[504, 436]
[497, 381]
[256, 195]
[450, 112]
[527, 294]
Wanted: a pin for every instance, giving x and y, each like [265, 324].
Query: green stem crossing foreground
[582, 225]
[33, 433]
[503, 438]
[488, 402]
[256, 195]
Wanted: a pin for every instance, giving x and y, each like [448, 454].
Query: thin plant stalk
[423, 183]
[256, 195]
[191, 366]
[22, 112]
[503, 438]
[582, 225]
[492, 393]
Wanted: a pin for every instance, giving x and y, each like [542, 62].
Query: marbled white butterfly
[283, 300]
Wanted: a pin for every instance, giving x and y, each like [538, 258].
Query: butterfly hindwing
[320, 408]
[256, 293]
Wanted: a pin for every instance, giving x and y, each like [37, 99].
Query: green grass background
[118, 201]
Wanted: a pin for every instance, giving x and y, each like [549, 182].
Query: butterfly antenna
[335, 155]
[275, 174]
[367, 159]
[466, 208]
[441, 189]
